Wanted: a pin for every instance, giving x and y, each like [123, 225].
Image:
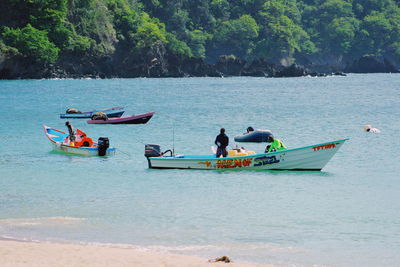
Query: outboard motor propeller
[102, 144]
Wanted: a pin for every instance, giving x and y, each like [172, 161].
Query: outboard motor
[152, 150]
[102, 144]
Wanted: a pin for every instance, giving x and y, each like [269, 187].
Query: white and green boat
[308, 158]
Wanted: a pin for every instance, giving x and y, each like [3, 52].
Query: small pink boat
[134, 119]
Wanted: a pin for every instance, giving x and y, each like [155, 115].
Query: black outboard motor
[102, 144]
[152, 150]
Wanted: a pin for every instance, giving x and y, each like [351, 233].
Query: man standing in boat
[222, 141]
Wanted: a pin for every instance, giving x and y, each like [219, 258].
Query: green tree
[238, 30]
[365, 7]
[340, 33]
[220, 9]
[375, 35]
[149, 33]
[178, 47]
[32, 44]
[332, 26]
[197, 43]
[92, 19]
[281, 37]
[139, 31]
[238, 35]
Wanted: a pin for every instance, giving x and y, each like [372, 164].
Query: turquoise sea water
[346, 215]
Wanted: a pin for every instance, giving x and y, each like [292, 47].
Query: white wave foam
[40, 221]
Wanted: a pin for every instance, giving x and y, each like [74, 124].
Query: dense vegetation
[45, 32]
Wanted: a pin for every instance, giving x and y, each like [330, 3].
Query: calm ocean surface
[346, 215]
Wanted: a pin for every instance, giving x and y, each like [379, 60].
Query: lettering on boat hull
[206, 163]
[324, 147]
[265, 160]
[233, 163]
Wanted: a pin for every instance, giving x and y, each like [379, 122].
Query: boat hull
[111, 113]
[310, 158]
[135, 119]
[82, 151]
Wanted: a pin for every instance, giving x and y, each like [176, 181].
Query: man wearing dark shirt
[222, 141]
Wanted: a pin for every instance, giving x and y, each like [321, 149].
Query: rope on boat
[123, 152]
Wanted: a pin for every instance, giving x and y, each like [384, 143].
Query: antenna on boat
[173, 132]
[173, 138]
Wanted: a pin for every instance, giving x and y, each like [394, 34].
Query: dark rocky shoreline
[174, 67]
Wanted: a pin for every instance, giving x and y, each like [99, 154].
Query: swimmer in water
[369, 128]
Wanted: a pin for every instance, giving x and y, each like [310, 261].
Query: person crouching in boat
[222, 141]
[71, 133]
[249, 129]
[275, 145]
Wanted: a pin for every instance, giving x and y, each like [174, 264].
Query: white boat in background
[114, 112]
[309, 158]
[83, 145]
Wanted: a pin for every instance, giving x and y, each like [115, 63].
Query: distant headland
[219, 38]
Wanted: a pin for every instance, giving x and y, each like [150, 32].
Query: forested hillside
[130, 38]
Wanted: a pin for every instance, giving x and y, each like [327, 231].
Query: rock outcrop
[369, 64]
[171, 65]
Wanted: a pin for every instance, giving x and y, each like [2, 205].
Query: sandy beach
[15, 253]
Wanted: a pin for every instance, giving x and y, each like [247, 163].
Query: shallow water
[346, 215]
